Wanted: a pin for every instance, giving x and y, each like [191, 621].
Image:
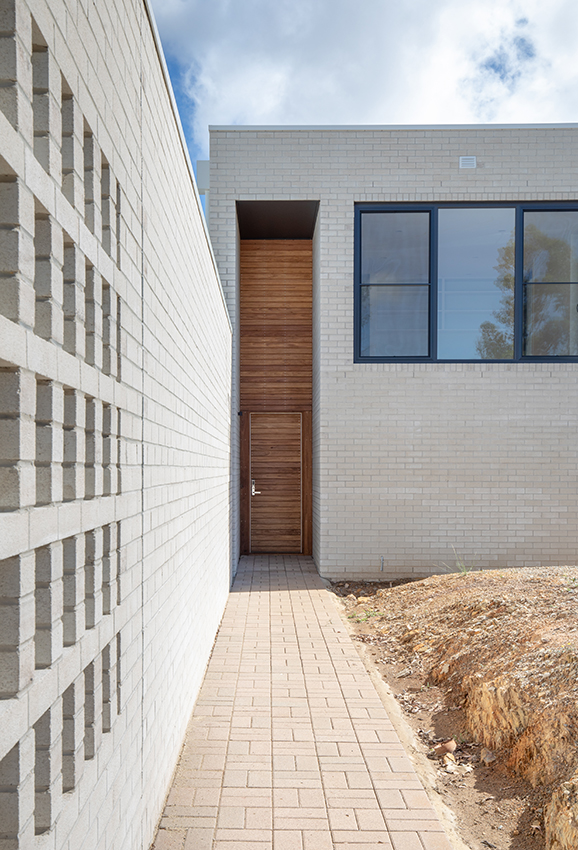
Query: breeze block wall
[412, 461]
[115, 367]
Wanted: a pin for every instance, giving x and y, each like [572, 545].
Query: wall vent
[468, 162]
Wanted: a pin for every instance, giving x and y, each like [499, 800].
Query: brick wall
[115, 351]
[412, 461]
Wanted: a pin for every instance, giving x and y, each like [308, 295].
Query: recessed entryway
[276, 389]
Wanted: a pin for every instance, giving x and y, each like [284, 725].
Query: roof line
[353, 127]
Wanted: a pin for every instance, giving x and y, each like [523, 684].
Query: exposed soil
[488, 660]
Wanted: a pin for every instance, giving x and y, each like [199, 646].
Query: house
[371, 361]
[405, 308]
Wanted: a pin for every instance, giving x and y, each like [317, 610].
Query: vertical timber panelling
[275, 370]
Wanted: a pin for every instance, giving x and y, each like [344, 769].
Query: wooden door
[276, 491]
[275, 506]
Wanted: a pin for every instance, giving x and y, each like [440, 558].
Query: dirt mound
[502, 646]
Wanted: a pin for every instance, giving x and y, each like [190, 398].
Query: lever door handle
[253, 491]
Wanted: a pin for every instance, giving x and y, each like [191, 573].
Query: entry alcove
[275, 305]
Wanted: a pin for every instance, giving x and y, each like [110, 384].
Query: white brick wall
[115, 353]
[412, 460]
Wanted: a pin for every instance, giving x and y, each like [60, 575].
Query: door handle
[253, 491]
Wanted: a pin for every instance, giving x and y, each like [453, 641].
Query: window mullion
[519, 285]
[357, 286]
[433, 253]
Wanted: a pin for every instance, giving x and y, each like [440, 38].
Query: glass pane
[551, 319]
[551, 246]
[476, 284]
[395, 247]
[394, 321]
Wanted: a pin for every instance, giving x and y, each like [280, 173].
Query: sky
[369, 62]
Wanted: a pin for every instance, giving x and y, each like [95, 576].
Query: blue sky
[369, 62]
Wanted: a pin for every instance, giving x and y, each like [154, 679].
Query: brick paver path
[289, 746]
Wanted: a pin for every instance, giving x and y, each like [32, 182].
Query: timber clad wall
[275, 329]
[276, 378]
[115, 353]
[411, 460]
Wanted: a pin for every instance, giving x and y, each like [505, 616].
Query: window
[466, 283]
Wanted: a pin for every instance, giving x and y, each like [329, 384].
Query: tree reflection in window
[504, 282]
[496, 339]
[550, 287]
[550, 298]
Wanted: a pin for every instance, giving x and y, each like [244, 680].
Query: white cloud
[371, 61]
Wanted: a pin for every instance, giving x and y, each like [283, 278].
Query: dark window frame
[520, 207]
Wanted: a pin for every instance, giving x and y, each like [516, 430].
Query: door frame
[306, 479]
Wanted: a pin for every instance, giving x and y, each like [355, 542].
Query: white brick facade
[115, 353]
[412, 461]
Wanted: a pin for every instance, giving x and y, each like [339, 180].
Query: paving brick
[231, 817]
[258, 818]
[314, 840]
[308, 807]
[342, 819]
[199, 839]
[287, 839]
[169, 839]
[406, 841]
[414, 799]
